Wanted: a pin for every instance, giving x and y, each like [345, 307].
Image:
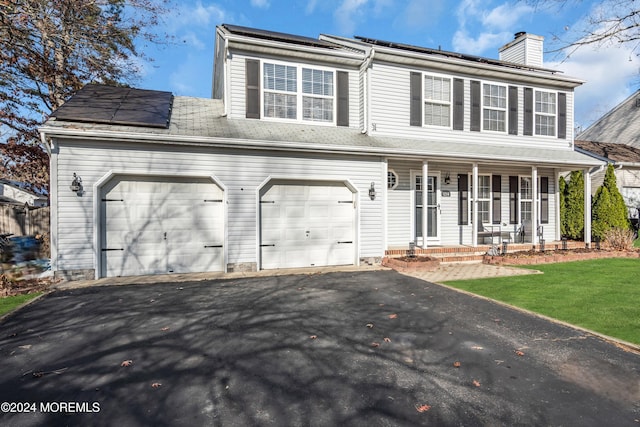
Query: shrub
[620, 238]
[574, 206]
[609, 210]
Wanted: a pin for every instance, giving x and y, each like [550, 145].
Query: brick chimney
[525, 49]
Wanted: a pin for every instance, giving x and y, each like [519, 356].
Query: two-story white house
[311, 152]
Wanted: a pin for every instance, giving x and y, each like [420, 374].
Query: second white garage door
[153, 225]
[306, 225]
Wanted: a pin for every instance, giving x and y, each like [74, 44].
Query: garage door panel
[162, 225]
[306, 230]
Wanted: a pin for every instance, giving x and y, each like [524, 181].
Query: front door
[432, 205]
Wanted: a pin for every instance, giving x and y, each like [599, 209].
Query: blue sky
[476, 27]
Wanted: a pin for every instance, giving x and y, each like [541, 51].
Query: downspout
[366, 89]
[226, 77]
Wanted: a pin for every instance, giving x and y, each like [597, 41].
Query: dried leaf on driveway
[313, 337]
[126, 363]
[393, 316]
[156, 385]
[375, 344]
[477, 347]
[456, 364]
[422, 408]
[165, 329]
[387, 339]
[369, 325]
[519, 353]
[476, 383]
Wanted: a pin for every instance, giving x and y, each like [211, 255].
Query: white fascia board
[479, 69]
[267, 145]
[295, 51]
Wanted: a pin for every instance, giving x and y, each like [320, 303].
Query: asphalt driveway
[359, 348]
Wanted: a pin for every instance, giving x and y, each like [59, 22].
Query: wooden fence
[21, 221]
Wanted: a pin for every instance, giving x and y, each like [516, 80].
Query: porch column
[587, 207]
[425, 178]
[535, 205]
[558, 219]
[385, 205]
[474, 209]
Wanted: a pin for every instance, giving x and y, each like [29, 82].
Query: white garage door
[151, 225]
[305, 225]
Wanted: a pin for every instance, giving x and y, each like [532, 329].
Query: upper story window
[280, 87]
[317, 101]
[437, 101]
[494, 107]
[284, 98]
[545, 113]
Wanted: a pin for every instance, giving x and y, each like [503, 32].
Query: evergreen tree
[562, 187]
[609, 210]
[574, 202]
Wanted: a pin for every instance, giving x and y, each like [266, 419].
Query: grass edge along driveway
[601, 295]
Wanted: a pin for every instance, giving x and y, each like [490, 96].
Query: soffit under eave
[479, 71]
[324, 55]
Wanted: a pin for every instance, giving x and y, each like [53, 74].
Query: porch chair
[488, 231]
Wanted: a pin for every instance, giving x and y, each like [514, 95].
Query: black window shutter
[528, 111]
[252, 88]
[513, 110]
[562, 115]
[513, 200]
[458, 104]
[496, 189]
[416, 99]
[544, 200]
[343, 99]
[463, 199]
[475, 105]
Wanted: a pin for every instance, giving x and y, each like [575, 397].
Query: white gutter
[366, 89]
[219, 142]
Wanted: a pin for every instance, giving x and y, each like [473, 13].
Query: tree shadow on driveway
[366, 348]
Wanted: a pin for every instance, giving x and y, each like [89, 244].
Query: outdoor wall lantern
[372, 191]
[76, 184]
[447, 178]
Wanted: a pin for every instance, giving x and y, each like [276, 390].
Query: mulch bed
[537, 257]
[407, 263]
[10, 287]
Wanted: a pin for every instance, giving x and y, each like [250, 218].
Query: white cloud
[311, 7]
[464, 43]
[352, 12]
[262, 4]
[505, 16]
[347, 14]
[608, 73]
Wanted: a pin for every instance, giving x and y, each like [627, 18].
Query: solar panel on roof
[274, 35]
[117, 105]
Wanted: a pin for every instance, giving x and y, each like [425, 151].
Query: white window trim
[299, 94]
[554, 115]
[397, 180]
[435, 101]
[472, 202]
[505, 109]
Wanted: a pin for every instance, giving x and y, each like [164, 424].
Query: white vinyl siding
[242, 172]
[390, 113]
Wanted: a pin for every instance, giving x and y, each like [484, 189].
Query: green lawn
[8, 304]
[601, 295]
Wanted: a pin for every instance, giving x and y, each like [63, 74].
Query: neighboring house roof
[12, 193]
[201, 121]
[621, 125]
[617, 153]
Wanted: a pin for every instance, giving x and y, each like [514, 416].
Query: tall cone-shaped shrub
[562, 189]
[608, 210]
[574, 204]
